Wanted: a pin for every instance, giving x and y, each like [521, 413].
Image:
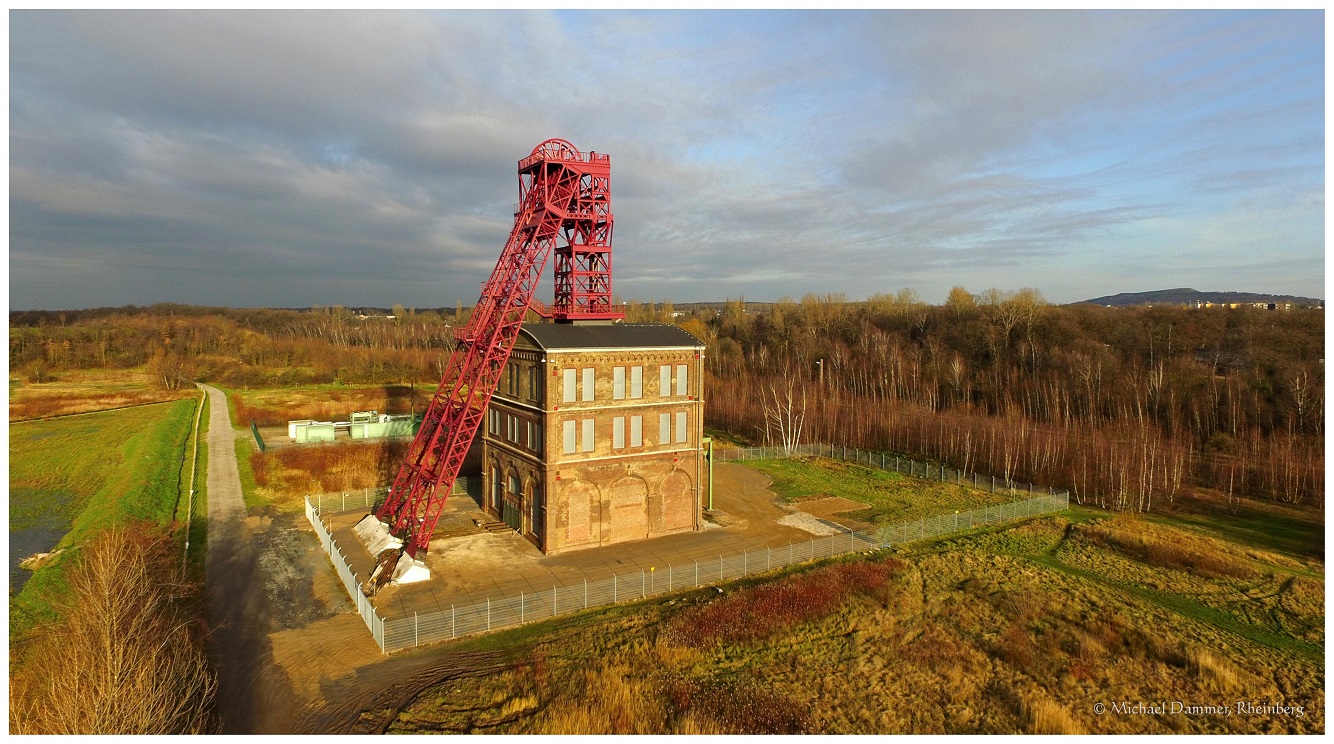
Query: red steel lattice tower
[565, 203]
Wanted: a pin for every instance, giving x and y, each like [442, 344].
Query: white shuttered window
[567, 437]
[588, 384]
[680, 426]
[618, 383]
[681, 371]
[664, 428]
[618, 432]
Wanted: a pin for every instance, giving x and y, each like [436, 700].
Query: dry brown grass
[1149, 544]
[278, 406]
[1214, 673]
[284, 475]
[87, 391]
[1046, 716]
[972, 639]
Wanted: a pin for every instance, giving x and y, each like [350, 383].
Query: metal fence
[883, 461]
[351, 582]
[393, 634]
[405, 632]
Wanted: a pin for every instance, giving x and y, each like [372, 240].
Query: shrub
[759, 612]
[128, 658]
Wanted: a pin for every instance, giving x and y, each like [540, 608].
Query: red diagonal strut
[565, 198]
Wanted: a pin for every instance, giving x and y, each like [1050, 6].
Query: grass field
[80, 391]
[80, 474]
[890, 496]
[1025, 628]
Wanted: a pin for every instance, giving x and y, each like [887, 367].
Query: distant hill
[1185, 296]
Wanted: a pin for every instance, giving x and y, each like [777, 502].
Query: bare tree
[784, 414]
[128, 658]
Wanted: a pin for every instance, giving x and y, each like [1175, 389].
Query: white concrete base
[410, 571]
[374, 534]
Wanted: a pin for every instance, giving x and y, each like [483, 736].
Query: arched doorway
[629, 511]
[678, 501]
[512, 515]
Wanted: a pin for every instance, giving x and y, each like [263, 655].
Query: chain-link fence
[394, 634]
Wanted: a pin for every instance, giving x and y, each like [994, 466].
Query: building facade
[595, 435]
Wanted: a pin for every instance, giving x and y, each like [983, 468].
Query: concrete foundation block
[410, 571]
[374, 534]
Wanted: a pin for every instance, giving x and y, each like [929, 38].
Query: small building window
[637, 382]
[567, 437]
[588, 384]
[681, 372]
[664, 428]
[618, 432]
[636, 431]
[588, 435]
[680, 426]
[665, 381]
[618, 383]
[567, 390]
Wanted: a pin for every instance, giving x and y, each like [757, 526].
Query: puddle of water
[23, 543]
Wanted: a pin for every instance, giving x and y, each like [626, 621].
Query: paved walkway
[231, 570]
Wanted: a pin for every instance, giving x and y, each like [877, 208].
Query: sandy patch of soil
[807, 523]
[323, 651]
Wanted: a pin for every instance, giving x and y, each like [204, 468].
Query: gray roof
[614, 336]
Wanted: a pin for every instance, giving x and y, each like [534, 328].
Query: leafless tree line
[1125, 407]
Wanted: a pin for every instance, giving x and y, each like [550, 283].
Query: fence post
[553, 600]
[521, 607]
[768, 558]
[615, 587]
[453, 628]
[745, 563]
[720, 568]
[643, 584]
[696, 574]
[488, 614]
[416, 637]
[585, 594]
[344, 502]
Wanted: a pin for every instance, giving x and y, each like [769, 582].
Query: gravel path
[250, 695]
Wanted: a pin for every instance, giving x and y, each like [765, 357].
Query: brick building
[594, 435]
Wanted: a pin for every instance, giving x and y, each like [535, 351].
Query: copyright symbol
[1099, 709]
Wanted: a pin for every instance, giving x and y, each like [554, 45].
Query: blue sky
[319, 158]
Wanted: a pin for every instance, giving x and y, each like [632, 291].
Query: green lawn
[84, 473]
[890, 496]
